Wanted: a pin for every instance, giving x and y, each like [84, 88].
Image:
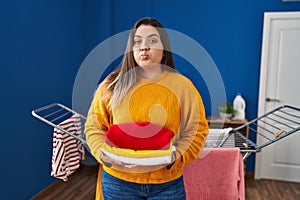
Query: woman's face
[147, 47]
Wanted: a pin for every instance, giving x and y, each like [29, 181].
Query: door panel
[280, 77]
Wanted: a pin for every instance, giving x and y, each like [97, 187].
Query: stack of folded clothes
[139, 143]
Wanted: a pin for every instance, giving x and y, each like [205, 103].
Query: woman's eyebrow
[151, 35]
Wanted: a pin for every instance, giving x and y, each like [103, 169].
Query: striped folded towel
[67, 150]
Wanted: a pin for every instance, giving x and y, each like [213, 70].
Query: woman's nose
[145, 49]
[145, 46]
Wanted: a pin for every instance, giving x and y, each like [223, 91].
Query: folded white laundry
[130, 160]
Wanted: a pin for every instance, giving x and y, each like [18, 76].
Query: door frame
[269, 17]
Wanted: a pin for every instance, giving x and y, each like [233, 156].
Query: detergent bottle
[239, 106]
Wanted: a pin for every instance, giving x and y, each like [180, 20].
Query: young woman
[146, 88]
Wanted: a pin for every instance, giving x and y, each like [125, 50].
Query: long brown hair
[119, 81]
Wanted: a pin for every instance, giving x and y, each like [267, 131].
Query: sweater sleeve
[194, 126]
[96, 125]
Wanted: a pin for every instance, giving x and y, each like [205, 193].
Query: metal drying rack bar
[55, 113]
[271, 127]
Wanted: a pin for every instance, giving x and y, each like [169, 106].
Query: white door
[280, 84]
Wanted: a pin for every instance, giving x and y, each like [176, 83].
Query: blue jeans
[115, 189]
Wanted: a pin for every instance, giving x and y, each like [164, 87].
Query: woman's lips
[144, 57]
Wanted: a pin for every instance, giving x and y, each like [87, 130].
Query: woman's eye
[137, 42]
[152, 41]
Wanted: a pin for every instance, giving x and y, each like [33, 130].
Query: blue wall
[41, 49]
[43, 44]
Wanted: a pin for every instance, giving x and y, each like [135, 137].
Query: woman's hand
[108, 161]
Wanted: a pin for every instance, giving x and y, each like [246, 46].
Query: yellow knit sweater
[169, 100]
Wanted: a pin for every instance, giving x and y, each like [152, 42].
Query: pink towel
[217, 174]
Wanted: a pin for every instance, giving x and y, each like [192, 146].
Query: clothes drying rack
[55, 113]
[271, 127]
